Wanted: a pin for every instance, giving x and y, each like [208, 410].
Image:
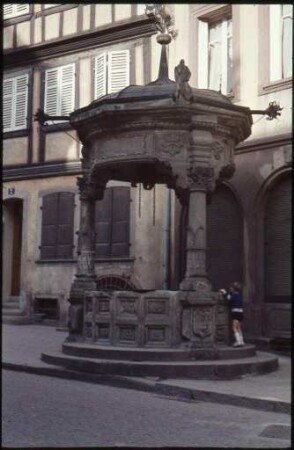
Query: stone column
[197, 300]
[85, 278]
[200, 181]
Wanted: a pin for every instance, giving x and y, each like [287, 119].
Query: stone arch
[225, 240]
[115, 283]
[221, 272]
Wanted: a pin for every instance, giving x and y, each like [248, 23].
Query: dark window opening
[48, 307]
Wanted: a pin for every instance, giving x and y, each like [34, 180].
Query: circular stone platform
[180, 364]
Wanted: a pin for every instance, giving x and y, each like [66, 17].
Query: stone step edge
[156, 387]
[152, 354]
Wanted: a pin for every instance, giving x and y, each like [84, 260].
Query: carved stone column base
[199, 321]
[195, 284]
[76, 308]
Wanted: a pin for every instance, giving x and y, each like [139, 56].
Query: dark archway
[224, 239]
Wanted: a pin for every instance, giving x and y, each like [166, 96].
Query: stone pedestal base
[198, 325]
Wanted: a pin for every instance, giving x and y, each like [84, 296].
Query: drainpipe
[166, 239]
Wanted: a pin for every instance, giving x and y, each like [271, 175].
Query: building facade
[60, 57]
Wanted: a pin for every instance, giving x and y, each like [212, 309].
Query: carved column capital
[201, 178]
[90, 190]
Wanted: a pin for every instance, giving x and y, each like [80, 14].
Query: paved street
[39, 411]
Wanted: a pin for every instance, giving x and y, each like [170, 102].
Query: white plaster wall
[23, 34]
[85, 82]
[8, 37]
[52, 26]
[102, 14]
[122, 11]
[15, 151]
[60, 146]
[179, 47]
[38, 30]
[86, 17]
[70, 20]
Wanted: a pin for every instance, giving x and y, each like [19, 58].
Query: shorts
[237, 316]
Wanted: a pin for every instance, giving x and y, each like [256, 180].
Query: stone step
[12, 312]
[88, 350]
[16, 320]
[213, 369]
[10, 305]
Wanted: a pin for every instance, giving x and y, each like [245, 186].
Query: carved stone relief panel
[170, 144]
[102, 331]
[124, 146]
[156, 334]
[127, 334]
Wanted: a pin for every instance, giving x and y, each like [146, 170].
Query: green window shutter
[100, 76]
[118, 70]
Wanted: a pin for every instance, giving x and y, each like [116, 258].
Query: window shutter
[21, 102]
[49, 226]
[15, 103]
[103, 210]
[22, 8]
[8, 10]
[120, 221]
[100, 76]
[67, 88]
[65, 225]
[118, 70]
[202, 54]
[51, 92]
[8, 117]
[275, 43]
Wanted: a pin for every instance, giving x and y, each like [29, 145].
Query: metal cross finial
[163, 19]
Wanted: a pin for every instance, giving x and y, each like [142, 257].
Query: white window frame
[276, 41]
[14, 95]
[203, 54]
[108, 70]
[60, 88]
[16, 9]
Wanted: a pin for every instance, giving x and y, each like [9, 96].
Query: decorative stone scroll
[201, 178]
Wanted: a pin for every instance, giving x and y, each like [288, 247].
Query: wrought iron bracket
[42, 117]
[272, 111]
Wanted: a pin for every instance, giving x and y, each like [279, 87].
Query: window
[15, 103]
[281, 27]
[15, 9]
[60, 90]
[112, 223]
[141, 8]
[215, 55]
[112, 72]
[57, 226]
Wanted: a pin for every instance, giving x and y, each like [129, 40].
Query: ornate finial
[164, 24]
[163, 19]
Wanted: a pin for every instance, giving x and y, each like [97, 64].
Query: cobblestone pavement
[41, 411]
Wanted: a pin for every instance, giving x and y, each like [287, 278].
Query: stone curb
[156, 387]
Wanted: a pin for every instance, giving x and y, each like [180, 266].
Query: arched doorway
[224, 239]
[12, 246]
[277, 243]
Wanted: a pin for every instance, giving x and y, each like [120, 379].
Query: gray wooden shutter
[65, 225]
[112, 223]
[120, 221]
[277, 243]
[103, 210]
[224, 239]
[57, 226]
[49, 226]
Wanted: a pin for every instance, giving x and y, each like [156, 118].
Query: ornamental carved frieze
[201, 178]
[171, 143]
[218, 150]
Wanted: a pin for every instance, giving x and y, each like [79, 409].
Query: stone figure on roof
[182, 76]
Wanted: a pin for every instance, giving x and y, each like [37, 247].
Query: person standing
[234, 296]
